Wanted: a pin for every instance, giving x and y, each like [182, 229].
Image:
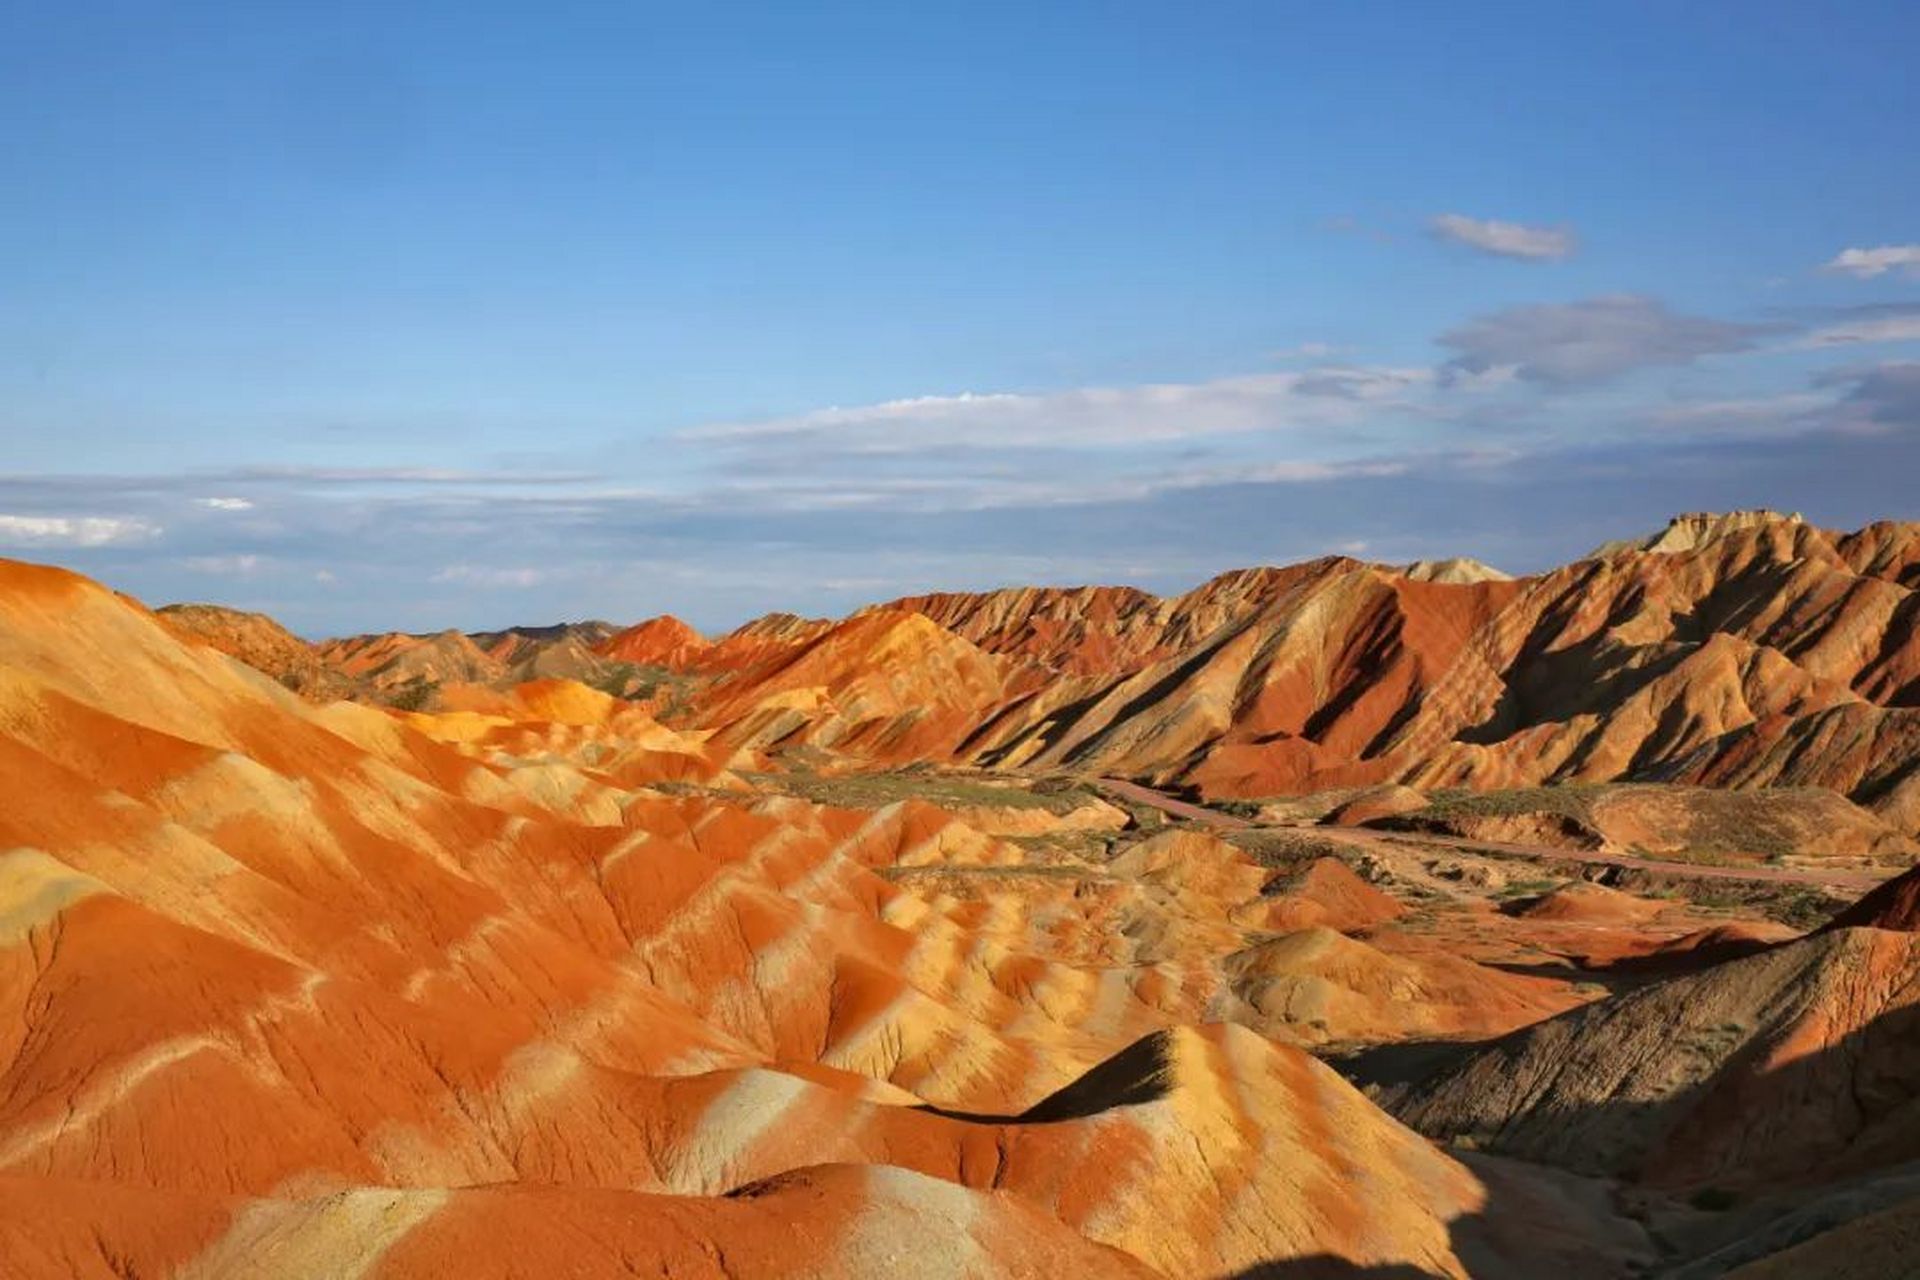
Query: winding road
[1850, 881]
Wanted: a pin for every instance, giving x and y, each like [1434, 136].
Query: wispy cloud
[1505, 239]
[1307, 351]
[1088, 417]
[194, 484]
[1565, 344]
[1877, 398]
[488, 576]
[1865, 264]
[306, 475]
[1003, 490]
[74, 531]
[231, 566]
[1894, 322]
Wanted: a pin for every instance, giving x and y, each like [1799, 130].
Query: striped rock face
[1744, 650]
[299, 990]
[1747, 650]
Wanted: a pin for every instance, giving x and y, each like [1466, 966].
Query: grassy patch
[1799, 906]
[948, 790]
[1527, 888]
[950, 871]
[417, 694]
[1569, 801]
[1071, 846]
[1285, 847]
[671, 691]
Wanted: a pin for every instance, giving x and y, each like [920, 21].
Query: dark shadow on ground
[1137, 1074]
[1746, 1154]
[1323, 1267]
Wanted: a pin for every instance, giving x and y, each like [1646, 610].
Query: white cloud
[1089, 417]
[1505, 239]
[1867, 325]
[398, 476]
[1307, 351]
[233, 566]
[1756, 418]
[224, 504]
[485, 576]
[74, 531]
[1865, 264]
[955, 492]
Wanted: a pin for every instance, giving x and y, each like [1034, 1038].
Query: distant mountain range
[1750, 648]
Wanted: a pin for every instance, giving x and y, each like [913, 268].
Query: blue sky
[409, 316]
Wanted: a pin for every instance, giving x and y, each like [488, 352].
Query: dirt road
[1138, 794]
[1850, 881]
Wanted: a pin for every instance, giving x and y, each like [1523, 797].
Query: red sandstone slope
[664, 641]
[883, 685]
[1748, 650]
[385, 665]
[262, 644]
[327, 990]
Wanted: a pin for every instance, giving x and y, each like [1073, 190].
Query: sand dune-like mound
[1584, 903]
[1327, 892]
[562, 733]
[1320, 986]
[1375, 803]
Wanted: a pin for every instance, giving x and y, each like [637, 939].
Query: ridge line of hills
[1745, 649]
